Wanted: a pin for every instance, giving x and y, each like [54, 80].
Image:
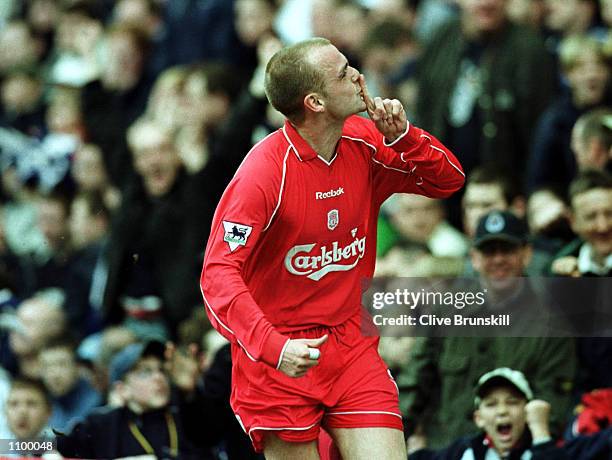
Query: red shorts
[350, 388]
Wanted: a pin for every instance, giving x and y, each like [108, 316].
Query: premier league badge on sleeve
[332, 219]
[236, 234]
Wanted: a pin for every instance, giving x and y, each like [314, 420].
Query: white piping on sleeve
[214, 314]
[224, 326]
[361, 140]
[445, 155]
[399, 138]
[389, 167]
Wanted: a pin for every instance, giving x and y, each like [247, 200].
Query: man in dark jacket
[146, 423]
[432, 384]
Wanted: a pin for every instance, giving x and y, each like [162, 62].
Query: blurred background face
[592, 219]
[155, 159]
[416, 217]
[560, 13]
[88, 169]
[484, 16]
[20, 93]
[588, 79]
[500, 262]
[478, 200]
[166, 102]
[17, 47]
[146, 386]
[40, 322]
[52, 221]
[530, 12]
[27, 412]
[252, 20]
[59, 370]
[123, 61]
[85, 228]
[202, 108]
[43, 15]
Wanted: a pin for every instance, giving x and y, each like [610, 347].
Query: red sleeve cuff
[272, 350]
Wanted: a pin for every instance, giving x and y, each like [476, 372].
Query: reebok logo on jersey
[331, 194]
[302, 260]
[236, 234]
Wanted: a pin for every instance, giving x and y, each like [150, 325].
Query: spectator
[146, 423]
[513, 425]
[90, 174]
[587, 258]
[572, 17]
[148, 17]
[483, 83]
[72, 396]
[52, 270]
[425, 239]
[489, 189]
[528, 12]
[19, 49]
[89, 227]
[78, 31]
[549, 224]
[592, 140]
[114, 101]
[551, 161]
[591, 203]
[27, 411]
[156, 287]
[432, 385]
[200, 31]
[41, 319]
[23, 108]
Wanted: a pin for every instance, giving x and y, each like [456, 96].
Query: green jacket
[437, 386]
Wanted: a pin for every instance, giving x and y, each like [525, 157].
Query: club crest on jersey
[332, 219]
[236, 234]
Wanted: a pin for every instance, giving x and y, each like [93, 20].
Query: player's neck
[322, 136]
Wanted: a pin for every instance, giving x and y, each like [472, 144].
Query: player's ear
[314, 102]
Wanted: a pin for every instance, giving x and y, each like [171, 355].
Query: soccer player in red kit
[292, 241]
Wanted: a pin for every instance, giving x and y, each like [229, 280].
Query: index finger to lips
[366, 94]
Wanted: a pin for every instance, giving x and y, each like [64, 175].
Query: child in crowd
[514, 427]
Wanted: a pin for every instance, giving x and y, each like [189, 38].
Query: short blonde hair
[575, 46]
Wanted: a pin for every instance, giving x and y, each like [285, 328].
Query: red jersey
[294, 236]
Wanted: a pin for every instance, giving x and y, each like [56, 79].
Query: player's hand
[536, 415]
[299, 356]
[387, 114]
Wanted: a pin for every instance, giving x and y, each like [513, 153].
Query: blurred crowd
[122, 121]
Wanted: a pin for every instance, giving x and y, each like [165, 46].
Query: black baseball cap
[500, 226]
